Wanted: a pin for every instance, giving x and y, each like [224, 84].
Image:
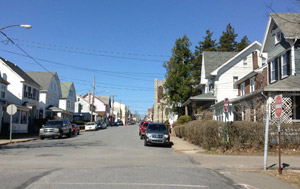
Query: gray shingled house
[281, 48]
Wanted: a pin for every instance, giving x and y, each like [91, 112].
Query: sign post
[278, 113]
[226, 107]
[11, 110]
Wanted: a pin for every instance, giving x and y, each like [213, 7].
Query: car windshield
[91, 123]
[54, 124]
[146, 124]
[157, 127]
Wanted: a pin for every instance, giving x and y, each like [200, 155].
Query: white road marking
[135, 184]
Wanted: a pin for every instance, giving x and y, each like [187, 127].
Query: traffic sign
[278, 106]
[11, 109]
[226, 105]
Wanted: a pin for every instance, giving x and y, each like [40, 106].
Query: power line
[93, 50]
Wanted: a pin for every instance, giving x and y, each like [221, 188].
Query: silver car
[56, 128]
[157, 133]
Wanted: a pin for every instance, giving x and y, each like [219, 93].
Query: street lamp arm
[20, 25]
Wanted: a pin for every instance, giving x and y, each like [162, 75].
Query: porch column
[186, 110]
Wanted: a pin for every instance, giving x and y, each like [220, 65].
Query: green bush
[184, 119]
[240, 135]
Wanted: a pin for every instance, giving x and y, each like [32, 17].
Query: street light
[21, 25]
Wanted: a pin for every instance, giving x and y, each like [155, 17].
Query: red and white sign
[278, 106]
[226, 105]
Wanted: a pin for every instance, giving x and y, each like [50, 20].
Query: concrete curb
[14, 141]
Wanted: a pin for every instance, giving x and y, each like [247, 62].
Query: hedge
[241, 135]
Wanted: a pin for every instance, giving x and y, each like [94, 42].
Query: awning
[207, 97]
[56, 109]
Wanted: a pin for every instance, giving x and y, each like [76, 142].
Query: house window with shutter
[284, 65]
[273, 70]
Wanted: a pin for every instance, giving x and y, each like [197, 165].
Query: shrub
[182, 120]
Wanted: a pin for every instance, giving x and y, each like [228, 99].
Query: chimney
[255, 60]
[89, 96]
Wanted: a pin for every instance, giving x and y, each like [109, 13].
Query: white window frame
[284, 65]
[245, 62]
[252, 84]
[273, 70]
[242, 89]
[277, 37]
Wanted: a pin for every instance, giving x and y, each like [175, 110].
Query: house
[279, 75]
[107, 102]
[3, 101]
[83, 110]
[67, 101]
[119, 112]
[100, 106]
[50, 92]
[281, 47]
[225, 76]
[23, 91]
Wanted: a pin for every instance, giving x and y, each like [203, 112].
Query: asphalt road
[110, 158]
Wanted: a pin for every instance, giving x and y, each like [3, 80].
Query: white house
[3, 101]
[24, 92]
[224, 77]
[50, 92]
[83, 110]
[67, 100]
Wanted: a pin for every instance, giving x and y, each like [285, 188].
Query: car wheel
[42, 138]
[70, 133]
[141, 137]
[60, 135]
[139, 133]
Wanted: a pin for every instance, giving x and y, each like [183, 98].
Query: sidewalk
[243, 169]
[18, 140]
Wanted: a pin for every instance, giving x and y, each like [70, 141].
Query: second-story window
[2, 91]
[29, 92]
[33, 94]
[284, 65]
[277, 37]
[252, 84]
[242, 89]
[235, 78]
[273, 70]
[25, 91]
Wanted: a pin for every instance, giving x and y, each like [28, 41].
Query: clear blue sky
[124, 42]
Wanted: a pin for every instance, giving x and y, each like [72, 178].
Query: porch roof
[56, 109]
[201, 97]
[290, 84]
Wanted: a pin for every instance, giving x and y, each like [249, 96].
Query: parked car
[101, 125]
[143, 129]
[91, 126]
[119, 123]
[75, 129]
[56, 128]
[157, 133]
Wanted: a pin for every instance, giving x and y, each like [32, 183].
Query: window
[273, 70]
[277, 37]
[29, 92]
[25, 91]
[252, 84]
[2, 91]
[284, 65]
[242, 89]
[245, 62]
[235, 78]
[34, 94]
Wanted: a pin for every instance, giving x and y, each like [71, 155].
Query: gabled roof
[65, 89]
[21, 73]
[290, 84]
[104, 99]
[214, 59]
[289, 24]
[42, 78]
[255, 43]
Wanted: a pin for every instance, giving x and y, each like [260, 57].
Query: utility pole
[93, 99]
[113, 115]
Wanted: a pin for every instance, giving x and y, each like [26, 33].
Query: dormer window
[277, 37]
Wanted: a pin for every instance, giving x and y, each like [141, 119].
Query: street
[110, 158]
